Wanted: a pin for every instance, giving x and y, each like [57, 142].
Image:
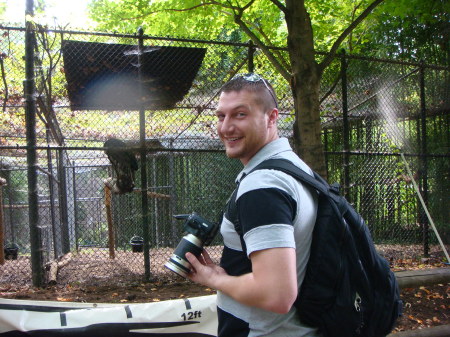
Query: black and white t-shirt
[275, 210]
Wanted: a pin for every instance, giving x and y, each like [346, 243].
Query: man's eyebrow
[237, 107]
[240, 107]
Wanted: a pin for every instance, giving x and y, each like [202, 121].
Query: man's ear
[273, 116]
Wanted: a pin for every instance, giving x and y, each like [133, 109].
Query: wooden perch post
[154, 194]
[2, 231]
[54, 266]
[108, 195]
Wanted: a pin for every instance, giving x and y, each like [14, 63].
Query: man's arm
[272, 285]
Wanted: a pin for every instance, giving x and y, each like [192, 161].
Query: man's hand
[204, 271]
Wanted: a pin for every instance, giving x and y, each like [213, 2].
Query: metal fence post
[30, 120]
[144, 196]
[423, 160]
[2, 226]
[64, 222]
[75, 211]
[52, 195]
[345, 130]
[325, 145]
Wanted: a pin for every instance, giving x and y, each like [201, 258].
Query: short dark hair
[254, 83]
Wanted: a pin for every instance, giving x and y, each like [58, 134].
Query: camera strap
[231, 213]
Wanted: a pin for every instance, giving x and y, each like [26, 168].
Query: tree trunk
[307, 127]
[305, 84]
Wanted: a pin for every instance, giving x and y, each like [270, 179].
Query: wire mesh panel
[372, 111]
[384, 115]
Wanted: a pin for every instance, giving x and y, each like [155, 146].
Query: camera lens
[177, 262]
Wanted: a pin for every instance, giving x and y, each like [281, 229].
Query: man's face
[243, 125]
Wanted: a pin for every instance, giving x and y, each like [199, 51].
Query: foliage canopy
[410, 29]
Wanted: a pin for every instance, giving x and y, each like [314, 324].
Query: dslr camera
[200, 232]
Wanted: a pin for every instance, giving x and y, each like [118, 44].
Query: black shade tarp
[102, 76]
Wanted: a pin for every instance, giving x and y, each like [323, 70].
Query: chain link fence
[385, 131]
[373, 112]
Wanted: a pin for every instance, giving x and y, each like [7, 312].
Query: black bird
[124, 164]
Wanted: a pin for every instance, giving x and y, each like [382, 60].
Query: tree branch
[190, 8]
[237, 13]
[278, 66]
[329, 58]
[212, 2]
[350, 36]
[278, 54]
[279, 5]
[6, 93]
[331, 90]
[248, 5]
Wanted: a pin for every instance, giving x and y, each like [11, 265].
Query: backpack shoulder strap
[316, 181]
[284, 165]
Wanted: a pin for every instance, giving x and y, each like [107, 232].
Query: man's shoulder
[267, 179]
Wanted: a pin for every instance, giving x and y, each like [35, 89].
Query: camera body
[200, 232]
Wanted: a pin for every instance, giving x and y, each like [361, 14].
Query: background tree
[2, 8]
[304, 26]
[412, 30]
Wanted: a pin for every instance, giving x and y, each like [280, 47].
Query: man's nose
[226, 125]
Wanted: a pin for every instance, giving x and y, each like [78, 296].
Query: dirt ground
[423, 307]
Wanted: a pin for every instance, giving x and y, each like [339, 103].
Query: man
[256, 290]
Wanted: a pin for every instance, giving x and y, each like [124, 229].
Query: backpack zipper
[357, 304]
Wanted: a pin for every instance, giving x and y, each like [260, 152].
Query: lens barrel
[177, 262]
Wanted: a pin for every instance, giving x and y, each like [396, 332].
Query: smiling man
[260, 271]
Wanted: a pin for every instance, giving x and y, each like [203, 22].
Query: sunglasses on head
[252, 77]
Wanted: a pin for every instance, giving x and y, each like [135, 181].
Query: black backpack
[349, 289]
